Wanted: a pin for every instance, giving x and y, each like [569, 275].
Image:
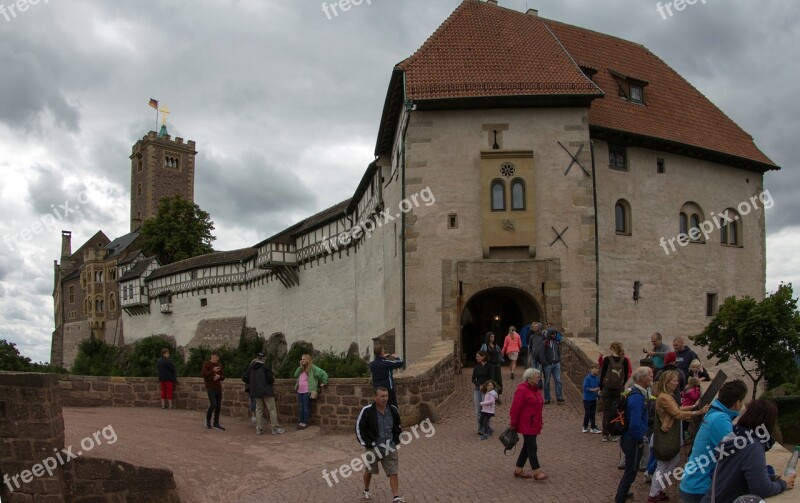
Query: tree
[96, 358]
[180, 230]
[762, 337]
[11, 359]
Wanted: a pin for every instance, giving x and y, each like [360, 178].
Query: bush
[96, 358]
[234, 361]
[141, 359]
[342, 366]
[290, 363]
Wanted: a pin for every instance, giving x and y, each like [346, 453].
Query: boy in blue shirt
[591, 385]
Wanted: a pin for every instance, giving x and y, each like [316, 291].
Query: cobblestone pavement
[451, 465]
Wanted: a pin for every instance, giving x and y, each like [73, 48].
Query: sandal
[541, 476]
[523, 475]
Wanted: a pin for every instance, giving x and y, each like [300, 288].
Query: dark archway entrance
[494, 310]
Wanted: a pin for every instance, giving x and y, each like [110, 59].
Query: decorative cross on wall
[575, 160]
[559, 236]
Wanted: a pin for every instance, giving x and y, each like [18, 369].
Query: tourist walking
[526, 419]
[495, 359]
[378, 429]
[213, 375]
[550, 359]
[511, 347]
[613, 375]
[261, 388]
[481, 373]
[633, 440]
[310, 379]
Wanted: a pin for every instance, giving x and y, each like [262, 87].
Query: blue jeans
[214, 405]
[691, 498]
[477, 396]
[633, 449]
[304, 401]
[552, 371]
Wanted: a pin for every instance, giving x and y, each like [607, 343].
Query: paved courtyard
[237, 466]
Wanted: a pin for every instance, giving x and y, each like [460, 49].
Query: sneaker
[398, 499]
[277, 431]
[366, 496]
[595, 430]
[259, 431]
[218, 427]
[614, 439]
[207, 424]
[584, 430]
[605, 438]
[253, 419]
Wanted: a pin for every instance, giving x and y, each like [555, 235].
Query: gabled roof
[483, 50]
[78, 254]
[674, 110]
[484, 55]
[316, 220]
[210, 259]
[130, 257]
[137, 270]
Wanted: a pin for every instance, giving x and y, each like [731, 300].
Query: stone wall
[421, 387]
[32, 428]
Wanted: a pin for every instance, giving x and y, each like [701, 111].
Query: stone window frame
[689, 220]
[617, 154]
[725, 228]
[497, 183]
[622, 218]
[518, 182]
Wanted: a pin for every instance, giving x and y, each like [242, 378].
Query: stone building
[552, 173]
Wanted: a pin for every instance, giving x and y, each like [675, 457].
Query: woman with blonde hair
[667, 438]
[310, 379]
[615, 370]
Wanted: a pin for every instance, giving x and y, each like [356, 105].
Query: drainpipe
[596, 253]
[408, 107]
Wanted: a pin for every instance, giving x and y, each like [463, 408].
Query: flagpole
[156, 129]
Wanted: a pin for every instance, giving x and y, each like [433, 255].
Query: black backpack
[621, 422]
[615, 375]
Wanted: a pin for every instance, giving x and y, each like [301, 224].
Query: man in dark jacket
[549, 357]
[261, 381]
[167, 378]
[534, 341]
[378, 429]
[683, 355]
[213, 375]
[382, 368]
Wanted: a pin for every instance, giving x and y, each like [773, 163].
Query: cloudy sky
[284, 103]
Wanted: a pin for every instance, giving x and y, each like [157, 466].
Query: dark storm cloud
[50, 194]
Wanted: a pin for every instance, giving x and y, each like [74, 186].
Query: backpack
[615, 375]
[620, 423]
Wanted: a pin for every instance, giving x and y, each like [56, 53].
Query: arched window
[690, 218]
[517, 195]
[730, 228]
[622, 217]
[112, 303]
[139, 190]
[498, 195]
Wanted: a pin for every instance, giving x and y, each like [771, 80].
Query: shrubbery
[96, 358]
[335, 364]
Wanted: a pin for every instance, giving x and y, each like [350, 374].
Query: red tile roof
[483, 50]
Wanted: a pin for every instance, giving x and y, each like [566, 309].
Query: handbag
[509, 439]
[666, 444]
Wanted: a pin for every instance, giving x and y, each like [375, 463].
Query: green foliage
[96, 358]
[234, 361]
[11, 359]
[340, 365]
[180, 230]
[761, 336]
[292, 360]
[142, 358]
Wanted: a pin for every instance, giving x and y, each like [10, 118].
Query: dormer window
[630, 88]
[637, 94]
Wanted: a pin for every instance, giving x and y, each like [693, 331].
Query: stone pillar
[32, 431]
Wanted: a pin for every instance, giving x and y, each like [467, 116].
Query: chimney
[66, 245]
[533, 12]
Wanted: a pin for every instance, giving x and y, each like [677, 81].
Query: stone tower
[160, 167]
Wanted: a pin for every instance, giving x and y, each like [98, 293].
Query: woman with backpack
[614, 373]
[667, 437]
[495, 360]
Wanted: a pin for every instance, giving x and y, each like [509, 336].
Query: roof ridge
[548, 20]
[403, 65]
[569, 55]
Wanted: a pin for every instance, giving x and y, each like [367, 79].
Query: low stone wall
[32, 429]
[577, 355]
[420, 388]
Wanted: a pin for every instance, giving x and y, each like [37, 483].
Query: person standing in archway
[495, 356]
[511, 347]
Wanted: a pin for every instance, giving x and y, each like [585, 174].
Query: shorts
[513, 356]
[390, 462]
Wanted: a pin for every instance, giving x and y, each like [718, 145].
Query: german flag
[154, 103]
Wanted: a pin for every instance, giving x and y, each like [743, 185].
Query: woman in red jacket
[526, 419]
